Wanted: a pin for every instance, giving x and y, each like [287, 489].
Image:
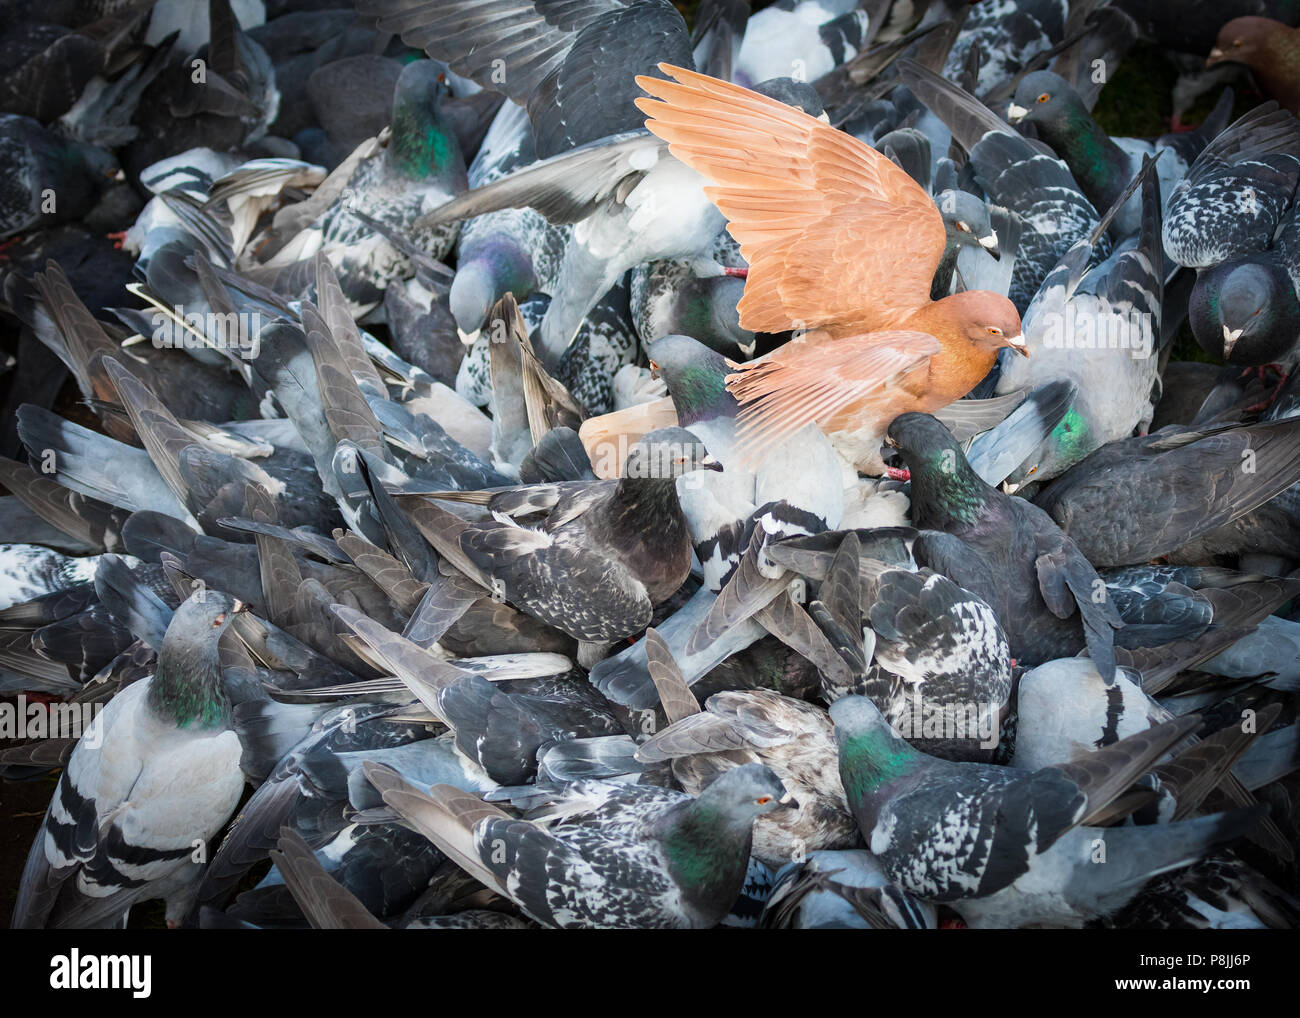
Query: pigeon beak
[1015, 113]
[468, 338]
[891, 442]
[789, 801]
[117, 176]
[990, 244]
[1017, 343]
[654, 370]
[709, 463]
[1230, 337]
[824, 117]
[240, 606]
[1215, 56]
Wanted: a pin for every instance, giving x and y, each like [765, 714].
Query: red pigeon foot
[738, 273]
[1260, 372]
[898, 473]
[118, 239]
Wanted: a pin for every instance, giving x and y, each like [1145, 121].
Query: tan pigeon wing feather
[834, 232]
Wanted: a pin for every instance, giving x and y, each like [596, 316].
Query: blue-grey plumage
[151, 782]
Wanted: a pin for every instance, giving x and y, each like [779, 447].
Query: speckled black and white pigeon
[1231, 219]
[155, 776]
[589, 557]
[1010, 35]
[420, 169]
[1017, 174]
[513, 250]
[622, 856]
[931, 656]
[1009, 849]
[669, 298]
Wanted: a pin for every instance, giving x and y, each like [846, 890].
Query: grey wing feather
[326, 903]
[565, 188]
[674, 694]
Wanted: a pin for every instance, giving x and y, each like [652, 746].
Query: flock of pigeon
[557, 463]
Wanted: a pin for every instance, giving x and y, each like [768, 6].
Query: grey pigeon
[1009, 552]
[123, 826]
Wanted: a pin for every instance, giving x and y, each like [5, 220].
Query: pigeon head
[1045, 98]
[944, 487]
[989, 321]
[747, 792]
[696, 378]
[423, 143]
[186, 687]
[855, 716]
[920, 437]
[473, 292]
[101, 164]
[1245, 311]
[1244, 41]
[668, 453]
[799, 94]
[966, 220]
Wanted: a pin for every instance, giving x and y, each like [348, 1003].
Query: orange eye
[765, 800]
[994, 330]
[1043, 98]
[1236, 42]
[216, 623]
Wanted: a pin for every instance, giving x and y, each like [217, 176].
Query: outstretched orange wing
[807, 383]
[834, 233]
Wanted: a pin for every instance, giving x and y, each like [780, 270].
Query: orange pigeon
[842, 247]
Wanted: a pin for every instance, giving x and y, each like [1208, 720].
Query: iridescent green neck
[700, 391]
[420, 146]
[871, 761]
[1097, 163]
[708, 850]
[186, 688]
[1072, 439]
[946, 489]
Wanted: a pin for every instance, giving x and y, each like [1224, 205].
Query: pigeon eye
[1043, 98]
[963, 227]
[1236, 42]
[994, 330]
[218, 620]
[764, 800]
